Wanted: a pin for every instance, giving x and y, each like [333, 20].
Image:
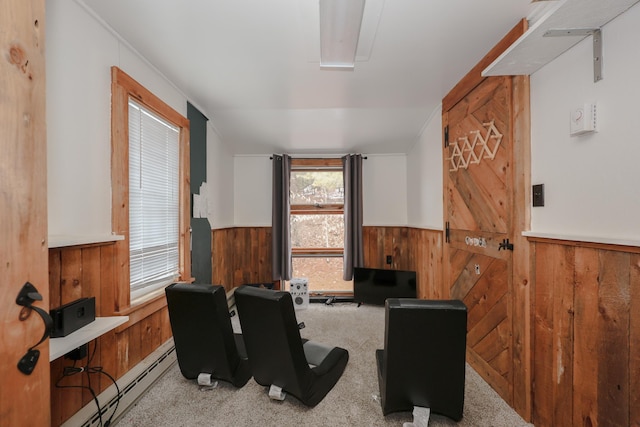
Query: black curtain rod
[271, 157]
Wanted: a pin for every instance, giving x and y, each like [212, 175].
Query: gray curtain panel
[353, 250]
[280, 235]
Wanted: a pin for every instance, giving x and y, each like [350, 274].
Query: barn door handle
[27, 296]
[505, 245]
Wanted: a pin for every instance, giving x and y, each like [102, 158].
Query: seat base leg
[276, 393]
[205, 381]
[420, 417]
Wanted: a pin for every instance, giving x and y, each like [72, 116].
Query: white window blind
[153, 200]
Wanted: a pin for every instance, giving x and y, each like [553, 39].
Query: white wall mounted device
[583, 119]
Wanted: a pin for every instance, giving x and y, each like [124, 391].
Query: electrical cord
[69, 371]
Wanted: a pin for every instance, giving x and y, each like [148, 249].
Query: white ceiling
[252, 66]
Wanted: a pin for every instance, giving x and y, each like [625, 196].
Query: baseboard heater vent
[132, 385]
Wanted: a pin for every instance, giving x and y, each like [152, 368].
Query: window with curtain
[154, 200]
[317, 224]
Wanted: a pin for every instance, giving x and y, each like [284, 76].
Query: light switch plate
[538, 195]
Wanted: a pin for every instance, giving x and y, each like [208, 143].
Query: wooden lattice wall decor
[465, 152]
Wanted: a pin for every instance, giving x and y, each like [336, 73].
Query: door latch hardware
[505, 245]
[26, 297]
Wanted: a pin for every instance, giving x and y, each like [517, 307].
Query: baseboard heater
[132, 386]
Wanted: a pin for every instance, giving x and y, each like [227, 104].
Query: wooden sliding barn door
[478, 204]
[486, 205]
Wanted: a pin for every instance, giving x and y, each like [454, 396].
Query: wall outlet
[389, 259]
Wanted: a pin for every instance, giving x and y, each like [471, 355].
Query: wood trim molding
[141, 311]
[136, 90]
[328, 209]
[123, 87]
[315, 163]
[583, 244]
[330, 252]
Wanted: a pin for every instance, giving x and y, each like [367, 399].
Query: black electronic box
[70, 317]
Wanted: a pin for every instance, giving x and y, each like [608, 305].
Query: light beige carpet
[176, 401]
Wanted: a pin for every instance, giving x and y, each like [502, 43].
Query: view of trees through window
[317, 227]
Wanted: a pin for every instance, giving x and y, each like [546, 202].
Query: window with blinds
[154, 204]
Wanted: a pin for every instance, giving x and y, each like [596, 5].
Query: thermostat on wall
[583, 119]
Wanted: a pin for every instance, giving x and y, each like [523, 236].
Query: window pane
[321, 187]
[317, 231]
[324, 274]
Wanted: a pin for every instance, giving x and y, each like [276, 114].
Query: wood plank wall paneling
[414, 249]
[586, 335]
[91, 270]
[241, 255]
[634, 345]
[380, 242]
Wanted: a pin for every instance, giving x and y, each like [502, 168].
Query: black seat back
[278, 355]
[272, 338]
[203, 335]
[423, 361]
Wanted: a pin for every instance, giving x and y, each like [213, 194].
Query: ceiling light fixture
[340, 22]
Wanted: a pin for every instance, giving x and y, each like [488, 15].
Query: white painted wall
[80, 52]
[591, 181]
[78, 56]
[252, 176]
[424, 176]
[384, 190]
[220, 170]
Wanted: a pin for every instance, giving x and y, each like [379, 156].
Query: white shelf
[532, 50]
[61, 346]
[587, 239]
[59, 241]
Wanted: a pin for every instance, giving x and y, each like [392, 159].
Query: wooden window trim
[314, 252]
[315, 164]
[122, 88]
[328, 209]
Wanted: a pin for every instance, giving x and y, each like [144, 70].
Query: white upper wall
[252, 178]
[591, 181]
[424, 176]
[384, 190]
[220, 175]
[79, 55]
